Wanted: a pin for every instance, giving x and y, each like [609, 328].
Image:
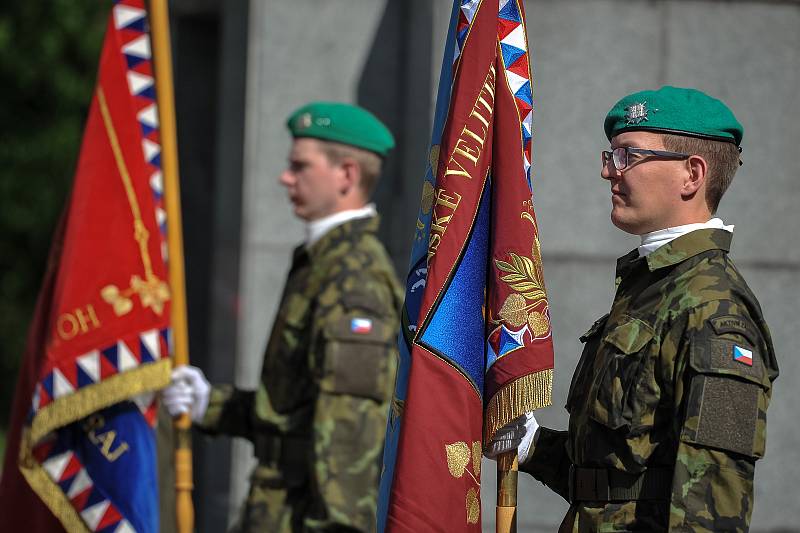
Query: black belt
[283, 451]
[607, 485]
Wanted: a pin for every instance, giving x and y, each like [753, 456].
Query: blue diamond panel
[511, 53]
[510, 12]
[456, 330]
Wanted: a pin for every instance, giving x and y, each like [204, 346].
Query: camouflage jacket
[671, 391]
[318, 419]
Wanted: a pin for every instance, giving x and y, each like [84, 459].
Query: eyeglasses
[622, 156]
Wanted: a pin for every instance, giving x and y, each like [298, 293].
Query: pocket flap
[595, 328]
[630, 336]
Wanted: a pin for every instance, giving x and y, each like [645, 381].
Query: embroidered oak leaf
[473, 506]
[522, 276]
[538, 323]
[513, 310]
[477, 453]
[397, 407]
[458, 456]
[428, 194]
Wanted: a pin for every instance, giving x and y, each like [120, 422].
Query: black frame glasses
[621, 156]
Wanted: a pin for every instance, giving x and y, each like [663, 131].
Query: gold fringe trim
[50, 493]
[524, 395]
[82, 403]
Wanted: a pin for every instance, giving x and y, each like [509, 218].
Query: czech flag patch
[362, 325]
[743, 355]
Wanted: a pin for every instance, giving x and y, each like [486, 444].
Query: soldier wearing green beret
[318, 418]
[668, 402]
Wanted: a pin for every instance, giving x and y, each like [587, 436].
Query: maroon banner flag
[476, 347]
[81, 450]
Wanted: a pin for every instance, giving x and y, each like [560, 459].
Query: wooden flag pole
[507, 470]
[159, 24]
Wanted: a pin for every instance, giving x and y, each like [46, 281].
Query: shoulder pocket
[728, 394]
[622, 360]
[359, 357]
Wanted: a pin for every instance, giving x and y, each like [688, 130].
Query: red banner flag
[476, 346]
[81, 450]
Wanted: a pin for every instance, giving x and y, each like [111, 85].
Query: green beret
[677, 111]
[342, 123]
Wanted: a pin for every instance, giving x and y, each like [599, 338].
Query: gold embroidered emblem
[473, 506]
[152, 291]
[459, 456]
[525, 276]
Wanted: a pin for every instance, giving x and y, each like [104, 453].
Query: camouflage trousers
[277, 505]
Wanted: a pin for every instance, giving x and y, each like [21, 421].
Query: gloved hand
[519, 434]
[188, 392]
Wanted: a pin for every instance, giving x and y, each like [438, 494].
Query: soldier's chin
[625, 225]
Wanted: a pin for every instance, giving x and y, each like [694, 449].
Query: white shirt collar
[317, 228]
[656, 239]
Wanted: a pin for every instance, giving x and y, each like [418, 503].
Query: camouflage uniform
[665, 422]
[318, 419]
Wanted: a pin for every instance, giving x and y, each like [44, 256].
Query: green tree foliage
[49, 53]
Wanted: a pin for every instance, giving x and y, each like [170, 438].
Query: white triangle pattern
[149, 116]
[139, 47]
[54, 466]
[527, 122]
[92, 515]
[124, 527]
[469, 9]
[79, 484]
[516, 38]
[90, 363]
[157, 182]
[151, 149]
[161, 216]
[144, 400]
[125, 359]
[61, 386]
[515, 81]
[150, 341]
[138, 83]
[125, 15]
[503, 4]
[37, 397]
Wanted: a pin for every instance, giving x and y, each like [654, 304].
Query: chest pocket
[624, 392]
[581, 378]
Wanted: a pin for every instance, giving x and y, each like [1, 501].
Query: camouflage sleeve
[356, 361]
[549, 462]
[723, 386]
[230, 412]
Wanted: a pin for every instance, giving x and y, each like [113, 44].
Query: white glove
[188, 392]
[519, 434]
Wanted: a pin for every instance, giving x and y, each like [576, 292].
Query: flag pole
[159, 22]
[507, 470]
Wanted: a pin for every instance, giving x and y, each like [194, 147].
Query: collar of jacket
[678, 250]
[342, 233]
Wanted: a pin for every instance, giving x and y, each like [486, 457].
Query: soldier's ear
[351, 175]
[695, 177]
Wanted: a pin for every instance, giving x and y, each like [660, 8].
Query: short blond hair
[722, 158]
[369, 162]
